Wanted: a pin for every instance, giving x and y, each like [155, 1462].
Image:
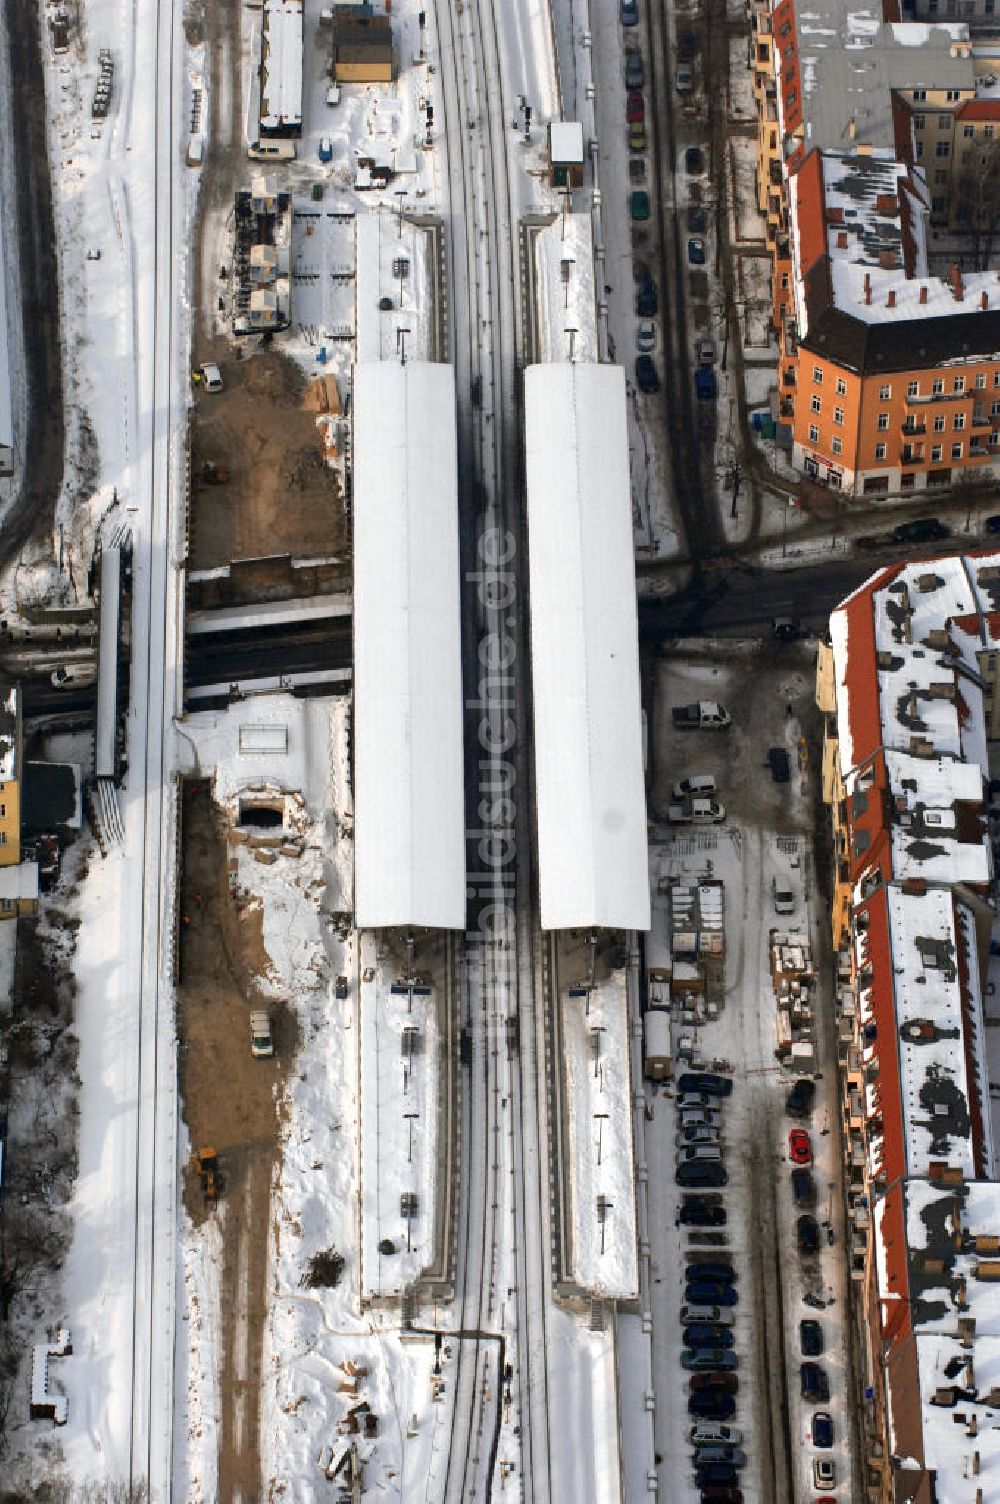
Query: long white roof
[590, 793]
[281, 78]
[409, 821]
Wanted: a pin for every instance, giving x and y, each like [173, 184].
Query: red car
[799, 1147]
[635, 109]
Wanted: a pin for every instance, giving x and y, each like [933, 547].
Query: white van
[271, 151]
[261, 1042]
[211, 376]
[695, 785]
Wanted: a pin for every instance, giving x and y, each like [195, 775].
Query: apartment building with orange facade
[888, 376]
[909, 687]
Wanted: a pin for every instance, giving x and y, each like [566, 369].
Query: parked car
[703, 1173]
[799, 1102]
[687, 45]
[708, 1334]
[696, 1133]
[645, 337]
[684, 78]
[719, 1451]
[723, 1383]
[687, 1099]
[822, 1429]
[992, 524]
[813, 1382]
[810, 1338]
[705, 385]
[325, 152]
[697, 220]
[704, 349]
[701, 1358]
[704, 1431]
[824, 1472]
[706, 1216]
[711, 1404]
[628, 12]
[699, 785]
[803, 1188]
[705, 1081]
[703, 1292]
[921, 530]
[799, 1147]
[697, 812]
[721, 1496]
[261, 1039]
[694, 161]
[714, 1475]
[637, 139]
[711, 1268]
[639, 204]
[696, 251]
[635, 107]
[783, 894]
[788, 628]
[696, 1152]
[688, 1117]
[647, 378]
[646, 301]
[807, 1233]
[721, 1315]
[777, 759]
[635, 71]
[211, 376]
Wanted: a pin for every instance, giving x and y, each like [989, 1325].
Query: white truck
[697, 812]
[702, 715]
[261, 1041]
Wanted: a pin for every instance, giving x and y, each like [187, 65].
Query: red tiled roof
[810, 210]
[978, 109]
[897, 1322]
[861, 677]
[878, 957]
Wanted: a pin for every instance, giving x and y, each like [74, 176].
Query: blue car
[708, 1334]
[629, 13]
[720, 1270]
[822, 1429]
[706, 390]
[704, 1081]
[326, 149]
[709, 1404]
[696, 251]
[717, 1358]
[709, 1293]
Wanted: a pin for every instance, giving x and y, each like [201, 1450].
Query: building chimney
[890, 301]
[868, 287]
[957, 286]
[923, 295]
[984, 300]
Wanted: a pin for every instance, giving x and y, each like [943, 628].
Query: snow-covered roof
[566, 141]
[281, 66]
[109, 614]
[590, 791]
[408, 769]
[20, 882]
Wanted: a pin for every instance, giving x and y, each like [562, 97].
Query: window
[838, 445]
[884, 393]
[813, 434]
[920, 151]
[935, 453]
[968, 132]
[938, 205]
[942, 149]
[958, 385]
[980, 380]
[838, 416]
[913, 387]
[939, 423]
[956, 451]
[880, 451]
[937, 387]
[919, 95]
[958, 422]
[784, 281]
[940, 177]
[883, 422]
[817, 405]
[818, 375]
[988, 129]
[919, 121]
[841, 387]
[995, 410]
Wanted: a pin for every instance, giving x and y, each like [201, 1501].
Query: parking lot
[776, 1243]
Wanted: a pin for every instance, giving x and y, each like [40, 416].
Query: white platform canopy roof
[281, 79]
[409, 816]
[590, 791]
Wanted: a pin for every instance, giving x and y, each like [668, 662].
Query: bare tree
[977, 196]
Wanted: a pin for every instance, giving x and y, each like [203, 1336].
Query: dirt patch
[229, 1102]
[281, 496]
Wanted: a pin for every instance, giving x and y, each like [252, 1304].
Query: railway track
[501, 1109]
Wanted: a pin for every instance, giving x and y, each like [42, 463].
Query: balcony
[788, 377]
[913, 426]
